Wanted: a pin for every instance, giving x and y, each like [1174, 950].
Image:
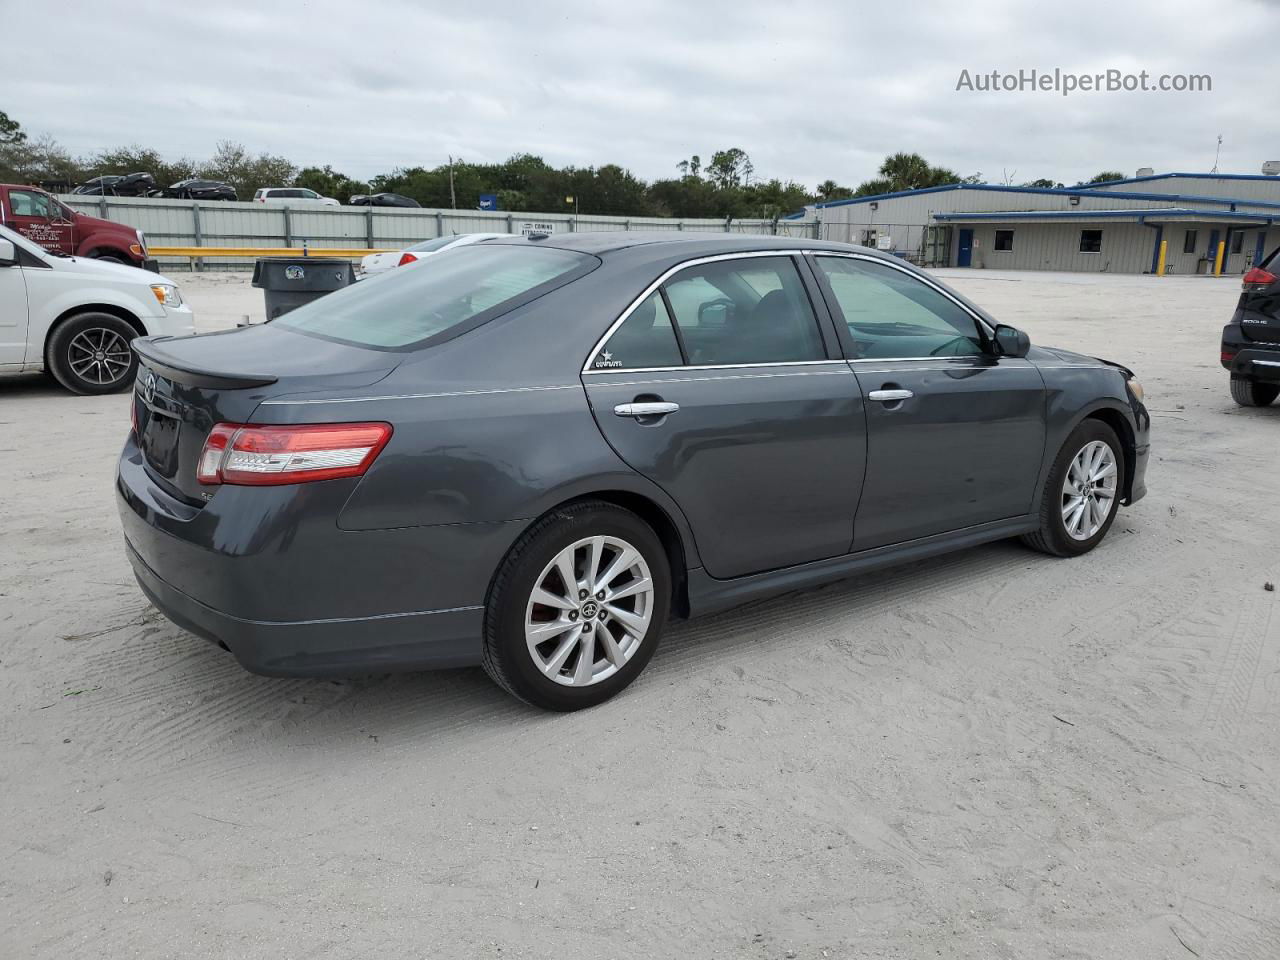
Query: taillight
[263, 456]
[1228, 355]
[406, 258]
[133, 413]
[1257, 278]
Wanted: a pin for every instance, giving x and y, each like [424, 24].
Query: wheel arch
[82, 308]
[1114, 418]
[658, 519]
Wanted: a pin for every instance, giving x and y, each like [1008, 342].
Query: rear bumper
[1257, 360]
[427, 640]
[267, 573]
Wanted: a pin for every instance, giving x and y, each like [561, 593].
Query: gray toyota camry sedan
[531, 453]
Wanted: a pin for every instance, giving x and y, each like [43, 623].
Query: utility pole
[453, 199]
[1217, 153]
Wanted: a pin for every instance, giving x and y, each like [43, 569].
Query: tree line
[725, 185]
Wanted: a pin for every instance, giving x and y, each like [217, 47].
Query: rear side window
[645, 339]
[457, 288]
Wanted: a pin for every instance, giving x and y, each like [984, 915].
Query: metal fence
[926, 245]
[187, 223]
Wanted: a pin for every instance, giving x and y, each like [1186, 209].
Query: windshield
[473, 282]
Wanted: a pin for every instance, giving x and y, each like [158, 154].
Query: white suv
[292, 195]
[76, 317]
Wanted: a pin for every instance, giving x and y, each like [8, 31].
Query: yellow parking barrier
[1164, 251]
[251, 253]
[1217, 261]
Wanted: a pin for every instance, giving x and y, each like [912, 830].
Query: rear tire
[91, 354]
[1068, 489]
[590, 638]
[1253, 393]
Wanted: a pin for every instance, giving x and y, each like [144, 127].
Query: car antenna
[537, 236]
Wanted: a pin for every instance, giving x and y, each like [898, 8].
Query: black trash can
[289, 282]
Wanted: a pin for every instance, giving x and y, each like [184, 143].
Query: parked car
[376, 263]
[383, 200]
[46, 220]
[75, 318]
[201, 190]
[1251, 341]
[531, 454]
[129, 185]
[292, 195]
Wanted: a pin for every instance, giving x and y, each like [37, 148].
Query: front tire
[91, 354]
[1252, 393]
[1082, 493]
[577, 607]
[110, 258]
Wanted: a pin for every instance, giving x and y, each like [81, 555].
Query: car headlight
[167, 294]
[1136, 389]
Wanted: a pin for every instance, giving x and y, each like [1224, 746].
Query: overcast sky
[810, 90]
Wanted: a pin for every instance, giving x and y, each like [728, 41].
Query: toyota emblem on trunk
[149, 387]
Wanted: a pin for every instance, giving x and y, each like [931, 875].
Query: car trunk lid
[186, 385]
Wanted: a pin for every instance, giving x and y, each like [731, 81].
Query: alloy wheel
[589, 611]
[99, 356]
[1089, 490]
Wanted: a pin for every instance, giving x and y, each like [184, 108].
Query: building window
[1237, 242]
[1189, 242]
[1004, 239]
[1090, 241]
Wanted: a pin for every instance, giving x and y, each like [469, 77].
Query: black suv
[1251, 341]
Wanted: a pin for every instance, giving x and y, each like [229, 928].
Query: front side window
[893, 315]
[1090, 241]
[1004, 239]
[405, 307]
[744, 310]
[28, 203]
[645, 339]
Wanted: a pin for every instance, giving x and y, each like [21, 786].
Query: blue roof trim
[1065, 191]
[1153, 213]
[1201, 176]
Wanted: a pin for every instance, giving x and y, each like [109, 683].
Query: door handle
[890, 396]
[657, 408]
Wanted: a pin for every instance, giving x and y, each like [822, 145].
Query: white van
[293, 196]
[76, 317]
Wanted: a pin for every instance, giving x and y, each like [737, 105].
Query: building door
[964, 255]
[1212, 252]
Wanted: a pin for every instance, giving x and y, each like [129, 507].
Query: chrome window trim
[731, 376]
[648, 291]
[926, 280]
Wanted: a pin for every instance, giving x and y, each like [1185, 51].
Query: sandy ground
[990, 755]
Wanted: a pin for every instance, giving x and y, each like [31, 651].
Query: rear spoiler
[151, 349]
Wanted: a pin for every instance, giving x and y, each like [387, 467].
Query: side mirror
[1011, 342]
[8, 255]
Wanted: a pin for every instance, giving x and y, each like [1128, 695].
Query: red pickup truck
[43, 219]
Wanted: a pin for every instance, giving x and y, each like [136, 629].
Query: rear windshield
[428, 245]
[454, 289]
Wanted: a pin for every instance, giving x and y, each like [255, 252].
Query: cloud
[811, 90]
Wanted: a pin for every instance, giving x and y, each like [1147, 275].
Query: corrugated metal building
[1114, 227]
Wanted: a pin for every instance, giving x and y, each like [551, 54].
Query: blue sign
[488, 201]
